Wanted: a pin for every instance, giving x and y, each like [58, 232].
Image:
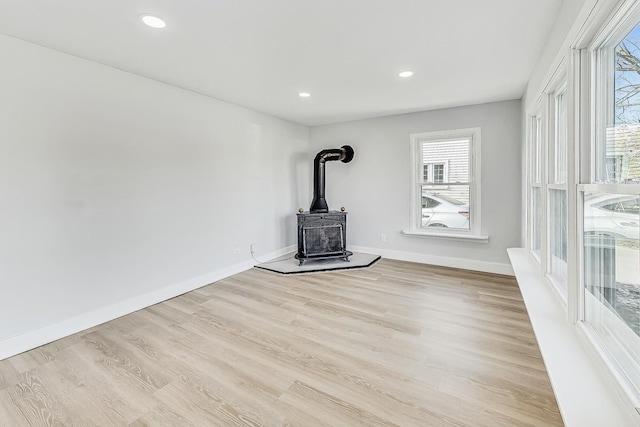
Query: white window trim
[535, 148]
[610, 402]
[557, 87]
[596, 177]
[474, 234]
[561, 91]
[596, 99]
[617, 367]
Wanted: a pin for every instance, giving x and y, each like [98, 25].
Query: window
[583, 187]
[446, 187]
[535, 186]
[557, 236]
[560, 141]
[438, 173]
[609, 202]
[434, 172]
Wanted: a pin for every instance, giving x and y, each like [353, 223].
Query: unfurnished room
[320, 213]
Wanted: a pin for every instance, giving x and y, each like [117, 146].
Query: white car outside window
[443, 211]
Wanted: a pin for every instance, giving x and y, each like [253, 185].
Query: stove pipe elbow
[345, 155]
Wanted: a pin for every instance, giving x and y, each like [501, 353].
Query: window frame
[600, 96]
[536, 149]
[416, 141]
[582, 63]
[558, 91]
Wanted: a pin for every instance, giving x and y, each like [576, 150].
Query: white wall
[565, 27]
[113, 187]
[375, 187]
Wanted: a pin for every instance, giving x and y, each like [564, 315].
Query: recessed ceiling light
[153, 21]
[304, 94]
[406, 74]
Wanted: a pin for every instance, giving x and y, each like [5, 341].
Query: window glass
[536, 212]
[625, 204]
[438, 173]
[449, 163]
[558, 237]
[557, 197]
[619, 155]
[446, 207]
[612, 275]
[560, 143]
[452, 152]
[535, 202]
[536, 149]
[447, 183]
[611, 216]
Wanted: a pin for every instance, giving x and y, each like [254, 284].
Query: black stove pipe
[345, 155]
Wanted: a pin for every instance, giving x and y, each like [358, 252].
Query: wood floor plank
[10, 414]
[37, 403]
[97, 397]
[397, 344]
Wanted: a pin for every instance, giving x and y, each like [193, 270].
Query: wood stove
[322, 233]
[322, 236]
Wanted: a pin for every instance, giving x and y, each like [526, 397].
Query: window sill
[451, 236]
[584, 394]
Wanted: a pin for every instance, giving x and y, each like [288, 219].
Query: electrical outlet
[383, 237]
[236, 250]
[253, 247]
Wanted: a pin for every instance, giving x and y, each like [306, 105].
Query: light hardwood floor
[398, 344]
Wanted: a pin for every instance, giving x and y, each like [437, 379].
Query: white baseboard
[32, 339]
[467, 264]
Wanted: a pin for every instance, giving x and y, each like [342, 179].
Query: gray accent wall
[375, 187]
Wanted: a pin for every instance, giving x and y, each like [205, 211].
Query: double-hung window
[535, 186]
[446, 184]
[610, 200]
[583, 188]
[557, 236]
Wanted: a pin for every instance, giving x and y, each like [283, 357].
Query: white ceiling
[346, 53]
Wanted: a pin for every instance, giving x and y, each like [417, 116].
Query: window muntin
[447, 188]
